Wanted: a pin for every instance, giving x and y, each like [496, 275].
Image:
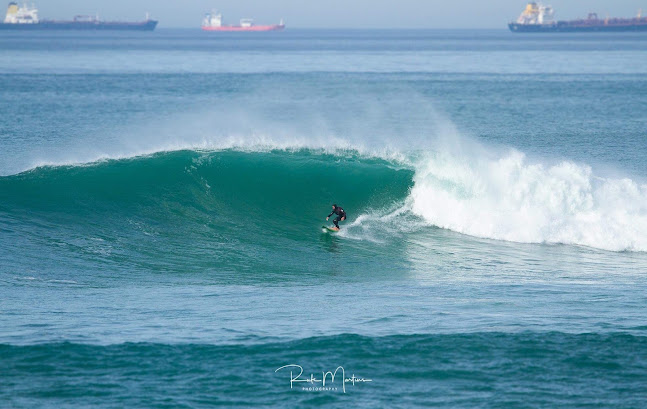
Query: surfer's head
[334, 206]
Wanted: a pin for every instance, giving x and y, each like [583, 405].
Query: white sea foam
[509, 198]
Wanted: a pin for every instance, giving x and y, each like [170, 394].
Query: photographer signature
[296, 372]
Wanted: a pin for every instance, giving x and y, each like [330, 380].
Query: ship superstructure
[537, 18]
[26, 18]
[536, 14]
[213, 22]
[21, 15]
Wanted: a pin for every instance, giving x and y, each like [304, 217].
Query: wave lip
[507, 198]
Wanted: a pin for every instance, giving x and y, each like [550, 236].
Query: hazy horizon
[333, 13]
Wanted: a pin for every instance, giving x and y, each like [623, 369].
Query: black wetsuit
[340, 214]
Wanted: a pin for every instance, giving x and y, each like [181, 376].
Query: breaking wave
[502, 197]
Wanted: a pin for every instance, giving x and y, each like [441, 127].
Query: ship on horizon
[213, 22]
[537, 18]
[26, 18]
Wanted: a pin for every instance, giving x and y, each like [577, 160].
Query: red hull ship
[213, 22]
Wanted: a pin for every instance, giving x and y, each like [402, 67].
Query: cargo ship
[537, 18]
[213, 22]
[26, 18]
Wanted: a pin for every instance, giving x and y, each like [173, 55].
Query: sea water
[161, 198]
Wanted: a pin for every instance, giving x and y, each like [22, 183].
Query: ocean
[162, 197]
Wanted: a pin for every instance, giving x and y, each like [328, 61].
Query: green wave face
[189, 210]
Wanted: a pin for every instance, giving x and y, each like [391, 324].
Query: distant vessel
[537, 18]
[26, 18]
[213, 22]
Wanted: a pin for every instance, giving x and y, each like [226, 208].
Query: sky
[334, 13]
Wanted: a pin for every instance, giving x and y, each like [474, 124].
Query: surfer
[341, 215]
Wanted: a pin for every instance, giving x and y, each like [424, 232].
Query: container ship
[26, 18]
[537, 18]
[213, 22]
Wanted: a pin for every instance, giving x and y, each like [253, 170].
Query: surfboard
[327, 229]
